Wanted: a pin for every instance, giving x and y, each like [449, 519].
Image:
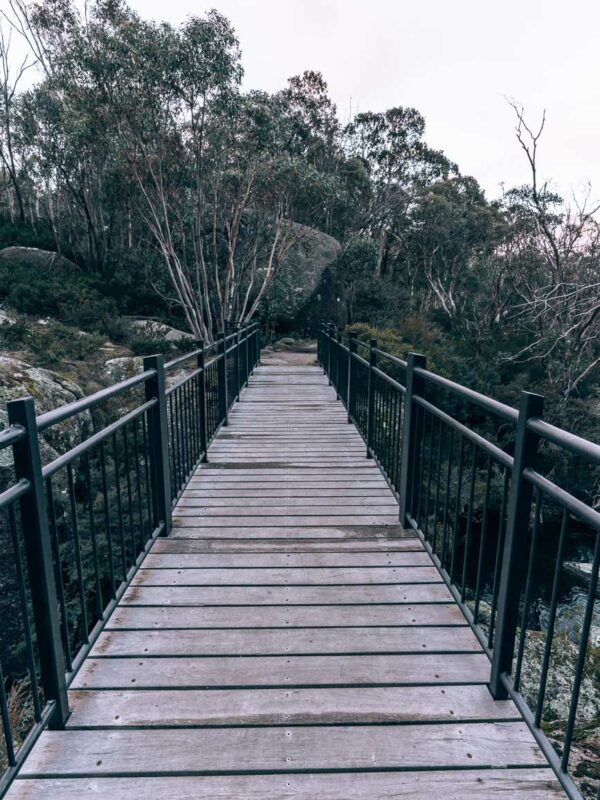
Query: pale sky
[453, 60]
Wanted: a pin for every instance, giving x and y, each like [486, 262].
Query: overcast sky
[454, 60]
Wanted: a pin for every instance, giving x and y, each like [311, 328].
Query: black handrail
[80, 525]
[459, 489]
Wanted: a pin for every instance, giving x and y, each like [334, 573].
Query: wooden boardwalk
[289, 640]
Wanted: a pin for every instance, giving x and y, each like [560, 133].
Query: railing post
[338, 342]
[238, 364]
[222, 378]
[411, 433]
[514, 557]
[327, 365]
[248, 342]
[352, 348]
[320, 344]
[160, 469]
[28, 466]
[371, 396]
[202, 402]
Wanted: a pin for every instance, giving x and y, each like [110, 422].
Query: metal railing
[74, 530]
[468, 474]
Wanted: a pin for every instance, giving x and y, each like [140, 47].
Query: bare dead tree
[9, 82]
[559, 307]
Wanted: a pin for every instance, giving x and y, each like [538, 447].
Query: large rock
[301, 271]
[33, 256]
[159, 330]
[119, 369]
[49, 391]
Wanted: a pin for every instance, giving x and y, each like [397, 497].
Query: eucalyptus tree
[391, 147]
[145, 123]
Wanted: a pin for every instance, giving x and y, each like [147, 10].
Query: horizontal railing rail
[75, 526]
[468, 474]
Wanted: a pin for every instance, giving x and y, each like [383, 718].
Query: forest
[129, 148]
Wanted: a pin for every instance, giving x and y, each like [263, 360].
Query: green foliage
[148, 345]
[24, 234]
[50, 345]
[59, 291]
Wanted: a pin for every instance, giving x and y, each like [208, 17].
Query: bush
[14, 334]
[149, 345]
[58, 343]
[60, 290]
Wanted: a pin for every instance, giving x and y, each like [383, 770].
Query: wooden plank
[190, 507]
[284, 595]
[290, 461]
[350, 445]
[488, 784]
[365, 470]
[248, 671]
[208, 500]
[277, 641]
[286, 706]
[188, 517]
[265, 494]
[300, 576]
[293, 486]
[249, 560]
[214, 750]
[182, 527]
[284, 616]
[298, 545]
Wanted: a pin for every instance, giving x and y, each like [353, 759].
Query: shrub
[60, 290]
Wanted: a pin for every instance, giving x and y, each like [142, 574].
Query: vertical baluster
[528, 589]
[564, 529]
[58, 577]
[482, 541]
[457, 508]
[129, 496]
[93, 539]
[338, 358]
[444, 543]
[411, 433]
[201, 364]
[429, 471]
[498, 560]
[436, 504]
[5, 716]
[398, 440]
[173, 448]
[222, 378]
[187, 430]
[20, 574]
[179, 432]
[108, 529]
[120, 506]
[239, 367]
[28, 466]
[147, 481]
[194, 421]
[467, 553]
[138, 482]
[77, 547]
[351, 391]
[581, 656]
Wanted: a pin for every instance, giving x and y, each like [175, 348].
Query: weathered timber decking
[288, 640]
